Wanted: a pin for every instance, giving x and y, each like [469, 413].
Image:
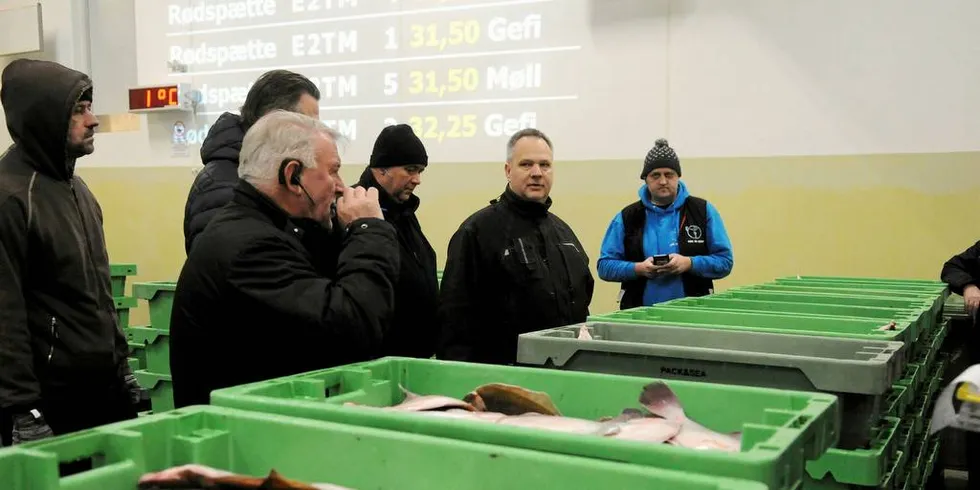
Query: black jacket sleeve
[18, 384]
[348, 311]
[963, 269]
[213, 187]
[460, 315]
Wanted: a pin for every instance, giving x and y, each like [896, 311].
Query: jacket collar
[247, 195]
[389, 205]
[523, 207]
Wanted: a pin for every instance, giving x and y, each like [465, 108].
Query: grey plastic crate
[859, 372]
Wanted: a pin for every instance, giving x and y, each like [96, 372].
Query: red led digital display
[154, 97]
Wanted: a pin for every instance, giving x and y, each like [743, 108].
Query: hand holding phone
[661, 259]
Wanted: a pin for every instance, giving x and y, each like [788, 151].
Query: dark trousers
[79, 401]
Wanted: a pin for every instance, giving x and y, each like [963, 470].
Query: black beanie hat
[396, 146]
[660, 156]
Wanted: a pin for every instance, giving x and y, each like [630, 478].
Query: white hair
[277, 136]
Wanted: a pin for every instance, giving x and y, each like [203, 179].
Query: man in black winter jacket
[962, 273]
[396, 167]
[63, 357]
[513, 267]
[250, 304]
[214, 184]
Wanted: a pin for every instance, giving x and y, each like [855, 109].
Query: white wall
[66, 41]
[802, 77]
[717, 77]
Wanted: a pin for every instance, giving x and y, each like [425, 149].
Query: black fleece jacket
[214, 185]
[413, 330]
[57, 316]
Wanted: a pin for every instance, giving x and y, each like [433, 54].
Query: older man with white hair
[250, 304]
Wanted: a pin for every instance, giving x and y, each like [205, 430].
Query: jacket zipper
[88, 246]
[54, 335]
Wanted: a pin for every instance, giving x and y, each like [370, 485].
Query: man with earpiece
[250, 303]
[396, 167]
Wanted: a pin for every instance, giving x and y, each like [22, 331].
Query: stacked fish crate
[119, 274]
[872, 342]
[153, 341]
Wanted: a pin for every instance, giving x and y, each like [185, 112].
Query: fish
[660, 400]
[458, 413]
[510, 400]
[559, 424]
[583, 333]
[420, 403]
[193, 477]
[889, 326]
[648, 429]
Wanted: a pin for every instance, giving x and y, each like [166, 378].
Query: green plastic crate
[156, 344]
[826, 298]
[913, 378]
[917, 317]
[936, 300]
[895, 477]
[317, 452]
[779, 428]
[859, 372]
[160, 296]
[134, 364]
[118, 274]
[863, 329]
[865, 467]
[123, 305]
[931, 287]
[882, 280]
[160, 388]
[906, 435]
[136, 351]
[897, 401]
[804, 308]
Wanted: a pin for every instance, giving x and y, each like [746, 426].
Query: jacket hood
[38, 98]
[224, 139]
[682, 195]
[388, 204]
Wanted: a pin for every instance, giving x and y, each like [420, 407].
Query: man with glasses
[668, 244]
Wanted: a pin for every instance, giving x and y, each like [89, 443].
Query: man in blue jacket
[666, 221]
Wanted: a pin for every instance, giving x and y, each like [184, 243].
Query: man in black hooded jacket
[214, 185]
[63, 358]
[396, 167]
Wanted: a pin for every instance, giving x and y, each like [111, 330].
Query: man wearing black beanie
[668, 244]
[396, 167]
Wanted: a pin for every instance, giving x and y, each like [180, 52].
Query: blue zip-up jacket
[660, 237]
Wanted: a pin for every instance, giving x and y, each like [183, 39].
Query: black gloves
[136, 393]
[30, 427]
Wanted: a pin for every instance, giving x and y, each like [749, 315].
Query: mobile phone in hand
[661, 259]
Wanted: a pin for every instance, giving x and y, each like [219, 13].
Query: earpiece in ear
[295, 178]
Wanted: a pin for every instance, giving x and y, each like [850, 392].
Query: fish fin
[660, 400]
[627, 415]
[541, 401]
[408, 394]
[583, 333]
[476, 401]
